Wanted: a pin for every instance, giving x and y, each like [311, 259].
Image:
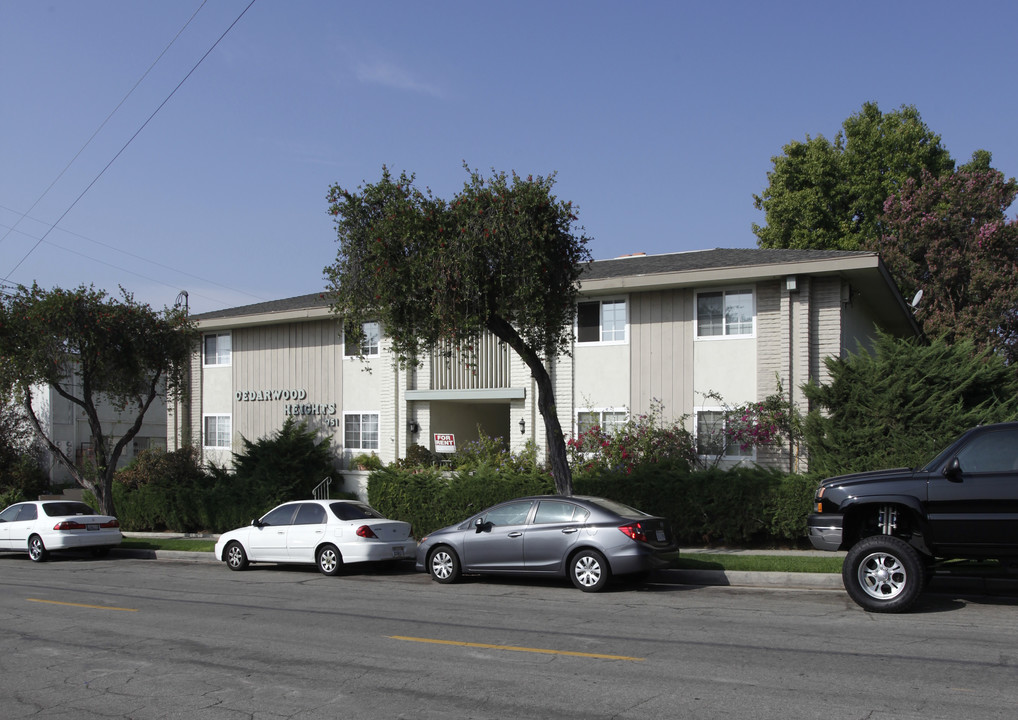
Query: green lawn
[186, 544]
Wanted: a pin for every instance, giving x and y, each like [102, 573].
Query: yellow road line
[514, 648]
[94, 607]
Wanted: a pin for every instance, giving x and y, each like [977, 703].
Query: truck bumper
[825, 531]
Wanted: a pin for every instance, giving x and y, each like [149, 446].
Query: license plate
[660, 535]
[397, 552]
[91, 526]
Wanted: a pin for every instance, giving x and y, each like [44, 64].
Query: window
[727, 313]
[282, 515]
[217, 349]
[993, 452]
[607, 420]
[554, 511]
[369, 343]
[310, 514]
[601, 321]
[217, 431]
[711, 440]
[360, 431]
[512, 513]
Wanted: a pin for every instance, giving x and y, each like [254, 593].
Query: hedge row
[744, 506]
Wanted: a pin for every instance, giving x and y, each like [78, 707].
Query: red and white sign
[445, 443]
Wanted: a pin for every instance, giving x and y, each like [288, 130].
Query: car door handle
[567, 531]
[515, 533]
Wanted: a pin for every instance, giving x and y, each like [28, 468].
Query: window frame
[600, 302]
[601, 412]
[204, 353]
[360, 431]
[724, 455]
[369, 346]
[724, 292]
[204, 431]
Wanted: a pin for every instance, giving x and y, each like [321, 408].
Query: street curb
[178, 555]
[737, 578]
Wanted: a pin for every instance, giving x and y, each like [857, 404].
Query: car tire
[36, 549]
[589, 570]
[883, 574]
[329, 560]
[443, 565]
[235, 557]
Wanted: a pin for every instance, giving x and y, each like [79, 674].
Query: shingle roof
[705, 260]
[629, 266]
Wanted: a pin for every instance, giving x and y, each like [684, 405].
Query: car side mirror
[480, 525]
[256, 523]
[953, 470]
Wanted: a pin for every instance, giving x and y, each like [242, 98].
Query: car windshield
[60, 509]
[354, 511]
[618, 508]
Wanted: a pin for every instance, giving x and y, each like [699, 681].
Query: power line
[103, 124]
[130, 140]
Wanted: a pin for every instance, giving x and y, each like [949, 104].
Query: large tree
[92, 349]
[830, 195]
[950, 237]
[503, 256]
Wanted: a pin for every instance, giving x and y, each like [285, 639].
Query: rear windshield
[354, 511]
[60, 509]
[619, 509]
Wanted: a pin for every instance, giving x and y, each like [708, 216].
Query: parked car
[896, 523]
[586, 539]
[326, 533]
[40, 527]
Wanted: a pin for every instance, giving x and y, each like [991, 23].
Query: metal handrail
[321, 491]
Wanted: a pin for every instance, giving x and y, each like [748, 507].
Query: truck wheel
[883, 573]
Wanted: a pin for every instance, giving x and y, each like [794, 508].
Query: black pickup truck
[895, 524]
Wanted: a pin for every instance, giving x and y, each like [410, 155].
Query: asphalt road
[128, 638]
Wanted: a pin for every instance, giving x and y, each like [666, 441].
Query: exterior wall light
[413, 427]
[523, 426]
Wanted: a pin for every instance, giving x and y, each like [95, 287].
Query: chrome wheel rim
[441, 565]
[234, 556]
[327, 561]
[35, 548]
[587, 570]
[882, 576]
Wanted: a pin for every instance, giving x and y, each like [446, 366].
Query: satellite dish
[916, 299]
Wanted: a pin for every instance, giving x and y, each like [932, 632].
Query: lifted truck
[895, 524]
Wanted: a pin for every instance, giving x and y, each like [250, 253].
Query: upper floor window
[725, 313]
[369, 342]
[601, 321]
[217, 349]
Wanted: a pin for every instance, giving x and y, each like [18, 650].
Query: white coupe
[41, 526]
[325, 533]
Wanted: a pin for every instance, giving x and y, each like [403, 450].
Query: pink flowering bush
[642, 440]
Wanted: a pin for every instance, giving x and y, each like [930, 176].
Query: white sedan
[325, 533]
[41, 526]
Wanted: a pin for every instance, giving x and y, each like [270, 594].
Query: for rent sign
[445, 443]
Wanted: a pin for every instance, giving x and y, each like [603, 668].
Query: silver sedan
[587, 539]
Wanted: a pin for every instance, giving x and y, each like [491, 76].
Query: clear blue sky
[660, 118]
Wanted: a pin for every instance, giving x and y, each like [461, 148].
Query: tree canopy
[827, 195]
[90, 349]
[901, 404]
[949, 237]
[503, 256]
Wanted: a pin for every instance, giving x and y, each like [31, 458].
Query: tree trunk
[557, 458]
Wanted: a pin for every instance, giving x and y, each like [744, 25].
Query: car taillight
[68, 525]
[365, 532]
[111, 524]
[635, 531]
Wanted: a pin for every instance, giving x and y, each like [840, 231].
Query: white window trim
[361, 414]
[366, 356]
[600, 300]
[724, 291]
[751, 457]
[204, 437]
[602, 410]
[204, 362]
